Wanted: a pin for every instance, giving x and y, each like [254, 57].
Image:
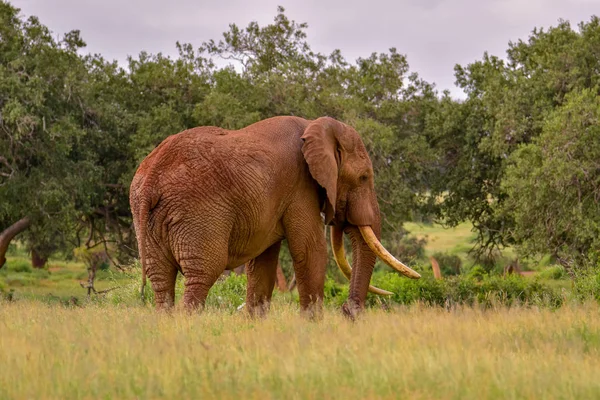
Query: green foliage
[228, 294]
[587, 284]
[477, 272]
[552, 182]
[18, 265]
[335, 293]
[450, 264]
[473, 289]
[409, 248]
[553, 272]
[509, 155]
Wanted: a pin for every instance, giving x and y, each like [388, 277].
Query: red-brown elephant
[209, 199]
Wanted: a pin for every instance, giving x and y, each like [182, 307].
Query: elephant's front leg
[308, 248]
[261, 273]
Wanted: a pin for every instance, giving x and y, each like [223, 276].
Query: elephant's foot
[164, 306]
[194, 297]
[196, 292]
[261, 273]
[314, 310]
[200, 275]
[164, 296]
[258, 309]
[351, 309]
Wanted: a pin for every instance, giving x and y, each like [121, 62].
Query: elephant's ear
[320, 152]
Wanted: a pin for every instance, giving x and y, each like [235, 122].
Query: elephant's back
[252, 163]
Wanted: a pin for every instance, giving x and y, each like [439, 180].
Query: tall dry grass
[413, 353]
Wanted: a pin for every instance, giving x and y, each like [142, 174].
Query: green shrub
[553, 272]
[19, 265]
[40, 273]
[335, 293]
[450, 264]
[20, 280]
[477, 272]
[587, 284]
[469, 290]
[228, 294]
[410, 248]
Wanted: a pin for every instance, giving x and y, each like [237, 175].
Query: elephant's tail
[146, 204]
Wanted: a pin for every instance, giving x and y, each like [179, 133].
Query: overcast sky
[434, 34]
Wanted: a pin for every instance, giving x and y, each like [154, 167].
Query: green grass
[59, 280]
[413, 352]
[457, 240]
[113, 346]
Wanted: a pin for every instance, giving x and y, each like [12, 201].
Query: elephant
[209, 199]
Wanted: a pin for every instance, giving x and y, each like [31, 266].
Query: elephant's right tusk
[337, 245]
[369, 236]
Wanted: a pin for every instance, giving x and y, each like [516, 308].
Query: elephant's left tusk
[337, 245]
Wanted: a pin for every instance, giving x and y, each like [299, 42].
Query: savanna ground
[112, 346]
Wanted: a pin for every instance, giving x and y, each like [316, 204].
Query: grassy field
[457, 241]
[415, 352]
[59, 280]
[113, 347]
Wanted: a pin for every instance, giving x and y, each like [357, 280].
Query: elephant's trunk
[337, 245]
[363, 261]
[365, 249]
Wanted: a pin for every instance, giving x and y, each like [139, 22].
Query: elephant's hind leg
[261, 273]
[162, 275]
[201, 272]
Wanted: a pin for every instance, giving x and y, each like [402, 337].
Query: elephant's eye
[363, 178]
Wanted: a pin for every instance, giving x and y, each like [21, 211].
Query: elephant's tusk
[337, 245]
[369, 236]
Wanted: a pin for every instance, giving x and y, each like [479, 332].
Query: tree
[8, 234]
[506, 107]
[41, 127]
[553, 184]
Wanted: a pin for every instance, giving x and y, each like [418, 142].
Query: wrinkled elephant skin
[209, 199]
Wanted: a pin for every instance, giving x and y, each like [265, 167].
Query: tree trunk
[437, 273]
[37, 260]
[8, 234]
[281, 283]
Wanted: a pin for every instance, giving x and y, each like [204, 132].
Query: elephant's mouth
[337, 244]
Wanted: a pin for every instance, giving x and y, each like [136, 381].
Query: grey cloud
[434, 34]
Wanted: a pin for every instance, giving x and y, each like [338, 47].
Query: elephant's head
[339, 162]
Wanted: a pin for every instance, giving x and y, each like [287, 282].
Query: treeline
[519, 157]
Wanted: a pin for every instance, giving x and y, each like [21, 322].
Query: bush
[553, 272]
[409, 248]
[19, 266]
[335, 293]
[477, 272]
[228, 294]
[587, 284]
[473, 289]
[40, 274]
[450, 264]
[23, 280]
[469, 290]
